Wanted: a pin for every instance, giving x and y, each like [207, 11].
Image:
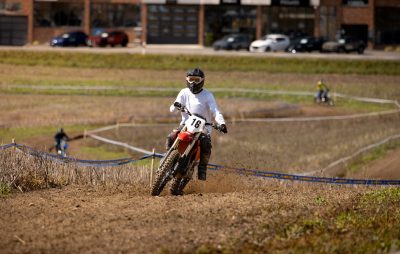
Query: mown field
[47, 206]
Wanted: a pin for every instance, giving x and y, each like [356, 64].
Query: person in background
[59, 137]
[322, 91]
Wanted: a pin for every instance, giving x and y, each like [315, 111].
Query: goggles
[194, 79]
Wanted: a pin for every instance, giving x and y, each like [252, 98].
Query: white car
[271, 42]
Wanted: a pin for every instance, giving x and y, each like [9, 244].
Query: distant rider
[59, 137]
[202, 102]
[322, 91]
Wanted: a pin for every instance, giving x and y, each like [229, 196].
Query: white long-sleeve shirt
[202, 103]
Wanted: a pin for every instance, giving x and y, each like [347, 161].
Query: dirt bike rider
[202, 102]
[59, 137]
[323, 90]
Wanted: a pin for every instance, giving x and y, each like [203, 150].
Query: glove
[178, 105]
[223, 128]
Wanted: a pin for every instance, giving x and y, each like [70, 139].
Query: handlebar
[185, 110]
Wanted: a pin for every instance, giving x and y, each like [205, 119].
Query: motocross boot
[205, 153]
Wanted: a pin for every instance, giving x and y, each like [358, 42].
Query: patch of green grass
[363, 106]
[101, 153]
[82, 91]
[7, 134]
[320, 201]
[54, 82]
[182, 62]
[5, 189]
[381, 196]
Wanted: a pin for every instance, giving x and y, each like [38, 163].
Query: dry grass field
[48, 207]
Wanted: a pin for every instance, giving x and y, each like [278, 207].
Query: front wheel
[178, 184]
[163, 175]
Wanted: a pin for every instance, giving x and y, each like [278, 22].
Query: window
[293, 21]
[55, 14]
[355, 3]
[106, 15]
[9, 6]
[224, 20]
[172, 24]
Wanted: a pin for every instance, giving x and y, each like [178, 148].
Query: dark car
[306, 44]
[109, 38]
[77, 38]
[344, 44]
[233, 41]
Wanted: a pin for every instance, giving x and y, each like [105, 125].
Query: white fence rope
[113, 142]
[116, 126]
[317, 118]
[300, 93]
[357, 153]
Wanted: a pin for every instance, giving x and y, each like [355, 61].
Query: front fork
[185, 163]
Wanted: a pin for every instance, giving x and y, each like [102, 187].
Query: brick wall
[357, 15]
[387, 3]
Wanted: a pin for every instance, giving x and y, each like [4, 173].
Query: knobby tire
[161, 179]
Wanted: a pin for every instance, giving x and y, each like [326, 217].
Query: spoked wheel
[178, 184]
[163, 175]
[180, 181]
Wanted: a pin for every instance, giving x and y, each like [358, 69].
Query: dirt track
[127, 220]
[387, 167]
[84, 219]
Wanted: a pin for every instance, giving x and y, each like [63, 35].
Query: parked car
[344, 44]
[233, 41]
[306, 44]
[271, 42]
[76, 38]
[111, 38]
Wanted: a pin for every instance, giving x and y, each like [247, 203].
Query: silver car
[271, 42]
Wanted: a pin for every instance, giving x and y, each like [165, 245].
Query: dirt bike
[61, 148]
[184, 155]
[325, 99]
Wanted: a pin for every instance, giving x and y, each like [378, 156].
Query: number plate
[195, 124]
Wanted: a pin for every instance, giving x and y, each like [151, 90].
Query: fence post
[152, 168]
[334, 95]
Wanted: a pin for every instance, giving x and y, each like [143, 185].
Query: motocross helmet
[195, 80]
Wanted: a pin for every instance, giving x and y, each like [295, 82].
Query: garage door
[172, 24]
[13, 30]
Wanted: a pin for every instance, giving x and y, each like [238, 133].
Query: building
[200, 21]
